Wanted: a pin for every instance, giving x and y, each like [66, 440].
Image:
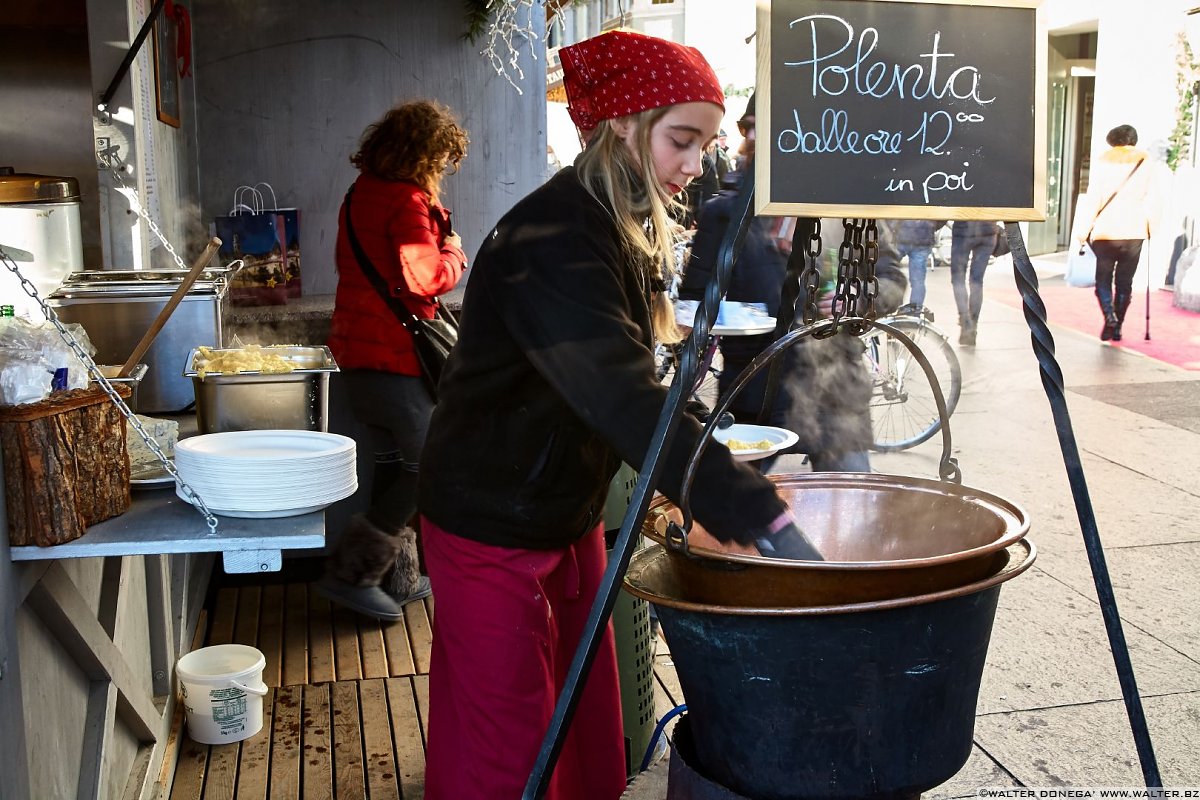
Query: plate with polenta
[750, 442]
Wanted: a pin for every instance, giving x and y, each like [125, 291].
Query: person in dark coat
[915, 239]
[551, 386]
[972, 243]
[824, 391]
[703, 189]
[761, 266]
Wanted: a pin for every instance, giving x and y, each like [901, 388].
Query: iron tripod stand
[651, 470]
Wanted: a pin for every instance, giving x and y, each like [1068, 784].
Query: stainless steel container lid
[305, 360]
[17, 187]
[139, 283]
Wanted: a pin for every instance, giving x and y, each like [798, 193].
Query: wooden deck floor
[346, 713]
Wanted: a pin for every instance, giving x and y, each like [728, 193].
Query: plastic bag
[1001, 248]
[1081, 267]
[34, 360]
[1187, 280]
[25, 377]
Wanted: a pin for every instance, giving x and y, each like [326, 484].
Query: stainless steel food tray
[304, 359]
[244, 401]
[139, 283]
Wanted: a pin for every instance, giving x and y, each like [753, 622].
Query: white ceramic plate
[256, 473]
[733, 318]
[275, 514]
[780, 439]
[252, 467]
[278, 495]
[236, 504]
[151, 478]
[262, 446]
[766, 326]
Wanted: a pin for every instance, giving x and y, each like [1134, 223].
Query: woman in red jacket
[406, 235]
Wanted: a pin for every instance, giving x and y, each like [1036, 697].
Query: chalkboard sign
[901, 109]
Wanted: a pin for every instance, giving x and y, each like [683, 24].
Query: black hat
[749, 112]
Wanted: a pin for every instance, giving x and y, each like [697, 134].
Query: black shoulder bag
[1001, 248]
[433, 339]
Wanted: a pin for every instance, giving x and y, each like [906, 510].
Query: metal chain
[855, 283]
[98, 377]
[112, 161]
[841, 288]
[810, 276]
[869, 279]
[856, 287]
[844, 302]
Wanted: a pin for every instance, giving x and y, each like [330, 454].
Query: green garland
[1186, 81]
[479, 13]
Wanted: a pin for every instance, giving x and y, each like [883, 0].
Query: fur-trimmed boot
[406, 583]
[359, 562]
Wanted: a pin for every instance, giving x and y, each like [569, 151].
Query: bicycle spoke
[903, 409]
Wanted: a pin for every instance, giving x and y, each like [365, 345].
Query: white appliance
[39, 230]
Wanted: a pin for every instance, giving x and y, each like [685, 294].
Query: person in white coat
[1122, 191]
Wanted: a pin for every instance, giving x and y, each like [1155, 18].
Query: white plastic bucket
[222, 692]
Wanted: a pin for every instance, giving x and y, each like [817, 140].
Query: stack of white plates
[262, 474]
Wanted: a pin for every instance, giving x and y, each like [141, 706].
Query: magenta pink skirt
[506, 624]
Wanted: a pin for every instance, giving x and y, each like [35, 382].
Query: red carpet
[1174, 332]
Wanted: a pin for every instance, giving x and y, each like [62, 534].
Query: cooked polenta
[252, 358]
[738, 444]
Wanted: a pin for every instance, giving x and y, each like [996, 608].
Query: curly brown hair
[413, 142]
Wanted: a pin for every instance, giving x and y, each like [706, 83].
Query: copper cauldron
[883, 537]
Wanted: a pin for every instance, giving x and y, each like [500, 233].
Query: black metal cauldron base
[686, 782]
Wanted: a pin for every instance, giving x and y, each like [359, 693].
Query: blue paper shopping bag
[267, 241]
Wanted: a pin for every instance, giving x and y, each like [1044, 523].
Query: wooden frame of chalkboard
[901, 109]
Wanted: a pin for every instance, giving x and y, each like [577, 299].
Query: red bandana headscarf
[621, 72]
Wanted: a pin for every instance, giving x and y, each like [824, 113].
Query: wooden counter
[90, 631]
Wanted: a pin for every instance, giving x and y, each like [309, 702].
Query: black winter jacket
[758, 279]
[917, 232]
[552, 385]
[825, 390]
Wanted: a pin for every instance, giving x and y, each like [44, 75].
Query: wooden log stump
[65, 465]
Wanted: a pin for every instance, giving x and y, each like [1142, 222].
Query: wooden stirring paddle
[175, 299]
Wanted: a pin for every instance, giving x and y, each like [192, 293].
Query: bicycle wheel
[903, 410]
[666, 361]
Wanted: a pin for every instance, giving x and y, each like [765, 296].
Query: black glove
[697, 410]
[788, 542]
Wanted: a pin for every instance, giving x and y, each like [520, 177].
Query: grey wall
[285, 89]
[46, 94]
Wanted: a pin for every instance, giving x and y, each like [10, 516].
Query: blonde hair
[627, 184]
